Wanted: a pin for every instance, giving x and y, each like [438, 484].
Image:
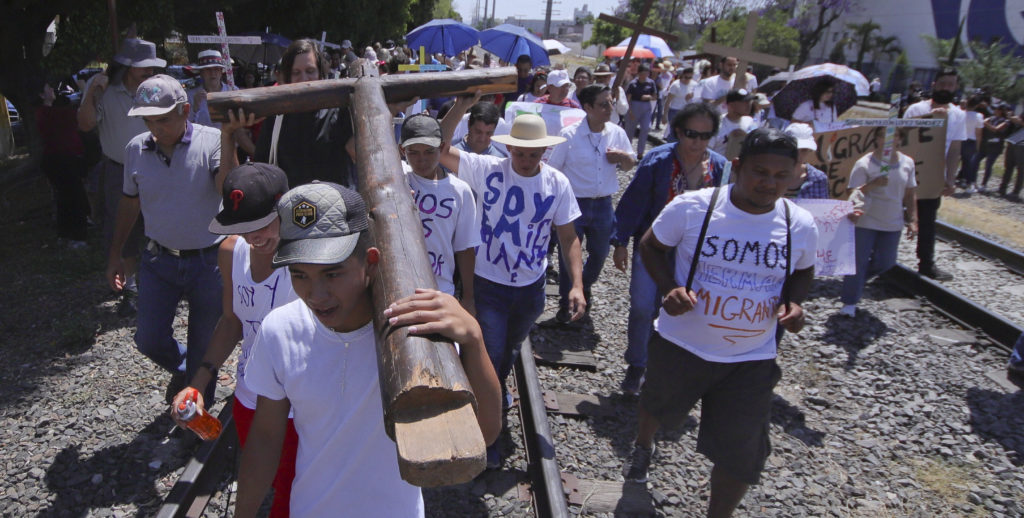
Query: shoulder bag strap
[789, 255]
[700, 239]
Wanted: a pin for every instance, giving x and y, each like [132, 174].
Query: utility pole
[547, 20]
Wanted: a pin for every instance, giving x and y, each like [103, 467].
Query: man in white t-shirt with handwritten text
[735, 249]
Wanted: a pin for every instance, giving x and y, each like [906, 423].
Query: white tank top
[251, 301]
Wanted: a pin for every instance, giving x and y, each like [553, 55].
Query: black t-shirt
[311, 146]
[637, 89]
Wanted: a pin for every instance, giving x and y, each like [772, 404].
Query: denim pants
[927, 213]
[506, 314]
[644, 304]
[594, 228]
[1014, 160]
[876, 252]
[639, 115]
[163, 281]
[992, 152]
[969, 158]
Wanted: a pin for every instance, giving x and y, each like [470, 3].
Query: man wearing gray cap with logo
[105, 105]
[317, 357]
[172, 175]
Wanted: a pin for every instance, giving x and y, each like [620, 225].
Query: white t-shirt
[807, 113]
[251, 303]
[721, 140]
[582, 158]
[956, 126]
[450, 224]
[462, 129]
[679, 91]
[516, 215]
[883, 206]
[346, 464]
[739, 276]
[715, 87]
[972, 121]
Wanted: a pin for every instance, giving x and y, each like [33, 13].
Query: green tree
[900, 73]
[838, 53]
[994, 66]
[864, 38]
[812, 20]
[774, 36]
[941, 49]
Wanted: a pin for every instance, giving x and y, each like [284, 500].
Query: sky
[534, 9]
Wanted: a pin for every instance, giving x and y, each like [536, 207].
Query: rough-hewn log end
[440, 450]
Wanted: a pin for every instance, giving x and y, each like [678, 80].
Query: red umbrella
[638, 52]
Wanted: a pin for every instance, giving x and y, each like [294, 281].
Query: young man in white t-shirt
[520, 200]
[317, 357]
[715, 337]
[736, 122]
[939, 106]
[447, 209]
[252, 287]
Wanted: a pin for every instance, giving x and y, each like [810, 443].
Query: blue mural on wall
[986, 21]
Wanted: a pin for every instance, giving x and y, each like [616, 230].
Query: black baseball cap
[738, 94]
[421, 129]
[250, 192]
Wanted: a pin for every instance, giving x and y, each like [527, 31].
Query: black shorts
[736, 404]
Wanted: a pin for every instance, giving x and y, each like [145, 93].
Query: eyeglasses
[606, 104]
[691, 134]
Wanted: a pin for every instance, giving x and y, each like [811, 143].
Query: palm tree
[863, 36]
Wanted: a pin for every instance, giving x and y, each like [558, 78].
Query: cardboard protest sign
[838, 150]
[836, 253]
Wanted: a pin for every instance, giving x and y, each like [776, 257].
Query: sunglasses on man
[702, 135]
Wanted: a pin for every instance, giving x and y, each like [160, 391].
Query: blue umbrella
[652, 43]
[446, 36]
[511, 41]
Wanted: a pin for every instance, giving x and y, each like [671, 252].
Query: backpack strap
[789, 255]
[700, 239]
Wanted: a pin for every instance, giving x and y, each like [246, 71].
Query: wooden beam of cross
[745, 53]
[637, 28]
[223, 39]
[428, 402]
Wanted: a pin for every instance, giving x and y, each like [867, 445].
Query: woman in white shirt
[884, 202]
[820, 107]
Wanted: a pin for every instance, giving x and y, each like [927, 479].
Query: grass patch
[967, 215]
[944, 479]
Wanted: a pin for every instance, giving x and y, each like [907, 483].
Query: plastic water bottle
[203, 424]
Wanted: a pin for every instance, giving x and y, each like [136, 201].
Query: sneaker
[563, 317]
[127, 307]
[1015, 369]
[76, 245]
[493, 457]
[982, 189]
[936, 273]
[848, 310]
[634, 380]
[639, 463]
[971, 189]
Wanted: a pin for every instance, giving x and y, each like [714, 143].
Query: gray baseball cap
[320, 224]
[421, 129]
[157, 95]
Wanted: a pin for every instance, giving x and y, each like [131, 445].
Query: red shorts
[285, 467]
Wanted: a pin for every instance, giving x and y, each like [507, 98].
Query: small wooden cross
[223, 39]
[745, 54]
[637, 28]
[422, 66]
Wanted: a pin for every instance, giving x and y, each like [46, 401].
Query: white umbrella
[556, 47]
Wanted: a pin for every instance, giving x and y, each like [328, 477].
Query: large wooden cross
[428, 402]
[745, 53]
[223, 39]
[637, 28]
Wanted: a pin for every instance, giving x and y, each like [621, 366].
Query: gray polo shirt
[177, 194]
[115, 127]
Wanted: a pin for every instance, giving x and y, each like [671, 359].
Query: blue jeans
[639, 115]
[594, 227]
[163, 281]
[969, 160]
[1017, 356]
[644, 304]
[876, 253]
[506, 314]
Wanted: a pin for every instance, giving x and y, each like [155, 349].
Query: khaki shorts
[736, 404]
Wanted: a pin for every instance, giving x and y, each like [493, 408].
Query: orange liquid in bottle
[203, 424]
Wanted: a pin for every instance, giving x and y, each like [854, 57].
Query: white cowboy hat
[528, 130]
